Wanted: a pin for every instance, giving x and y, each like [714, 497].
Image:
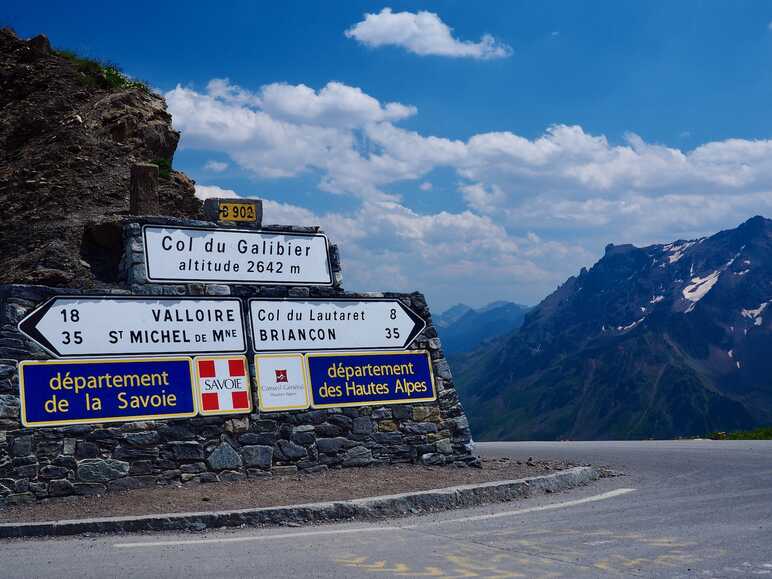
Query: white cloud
[336, 105]
[207, 191]
[538, 208]
[388, 247]
[215, 166]
[422, 33]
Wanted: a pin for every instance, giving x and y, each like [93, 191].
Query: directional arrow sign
[305, 325]
[77, 327]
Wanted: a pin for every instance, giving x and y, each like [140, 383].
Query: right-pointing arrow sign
[305, 325]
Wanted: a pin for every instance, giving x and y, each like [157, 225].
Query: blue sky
[521, 137]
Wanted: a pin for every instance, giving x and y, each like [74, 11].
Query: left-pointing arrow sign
[88, 326]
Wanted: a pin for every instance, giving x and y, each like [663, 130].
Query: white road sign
[133, 326]
[304, 325]
[184, 254]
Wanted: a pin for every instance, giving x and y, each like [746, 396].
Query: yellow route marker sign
[237, 211]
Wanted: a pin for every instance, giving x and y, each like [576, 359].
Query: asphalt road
[684, 509]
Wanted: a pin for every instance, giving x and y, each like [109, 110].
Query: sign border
[306, 383]
[201, 410]
[37, 314]
[408, 310]
[22, 397]
[376, 402]
[151, 279]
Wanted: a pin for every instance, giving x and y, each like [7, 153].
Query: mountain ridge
[463, 328]
[653, 342]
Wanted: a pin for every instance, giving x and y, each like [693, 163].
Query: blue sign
[55, 392]
[370, 378]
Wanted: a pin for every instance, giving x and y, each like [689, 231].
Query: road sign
[304, 325]
[85, 326]
[223, 384]
[237, 211]
[185, 254]
[370, 378]
[59, 392]
[281, 382]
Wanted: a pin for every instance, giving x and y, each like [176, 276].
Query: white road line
[592, 499]
[253, 537]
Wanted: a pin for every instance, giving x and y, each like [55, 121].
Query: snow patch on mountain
[755, 314]
[700, 286]
[630, 326]
[677, 250]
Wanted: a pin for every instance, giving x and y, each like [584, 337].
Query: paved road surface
[698, 509]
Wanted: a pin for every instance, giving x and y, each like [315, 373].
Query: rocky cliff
[70, 129]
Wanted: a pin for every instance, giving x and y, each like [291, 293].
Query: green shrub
[101, 74]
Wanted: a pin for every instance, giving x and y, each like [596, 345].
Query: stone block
[288, 450]
[387, 426]
[232, 476]
[21, 446]
[362, 425]
[84, 449]
[224, 457]
[237, 425]
[187, 450]
[333, 445]
[51, 471]
[60, 488]
[444, 446]
[357, 456]
[423, 413]
[193, 467]
[257, 456]
[419, 427]
[143, 438]
[98, 470]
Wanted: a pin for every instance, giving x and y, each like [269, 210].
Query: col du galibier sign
[202, 254]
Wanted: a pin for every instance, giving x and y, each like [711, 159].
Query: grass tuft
[100, 74]
[763, 433]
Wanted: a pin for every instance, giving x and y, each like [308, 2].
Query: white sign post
[86, 327]
[185, 254]
[305, 325]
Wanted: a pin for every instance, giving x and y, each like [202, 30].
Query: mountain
[70, 130]
[451, 315]
[462, 328]
[651, 342]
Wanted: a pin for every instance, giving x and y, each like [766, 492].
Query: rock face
[659, 341]
[67, 143]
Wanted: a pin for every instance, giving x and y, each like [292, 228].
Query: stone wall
[46, 462]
